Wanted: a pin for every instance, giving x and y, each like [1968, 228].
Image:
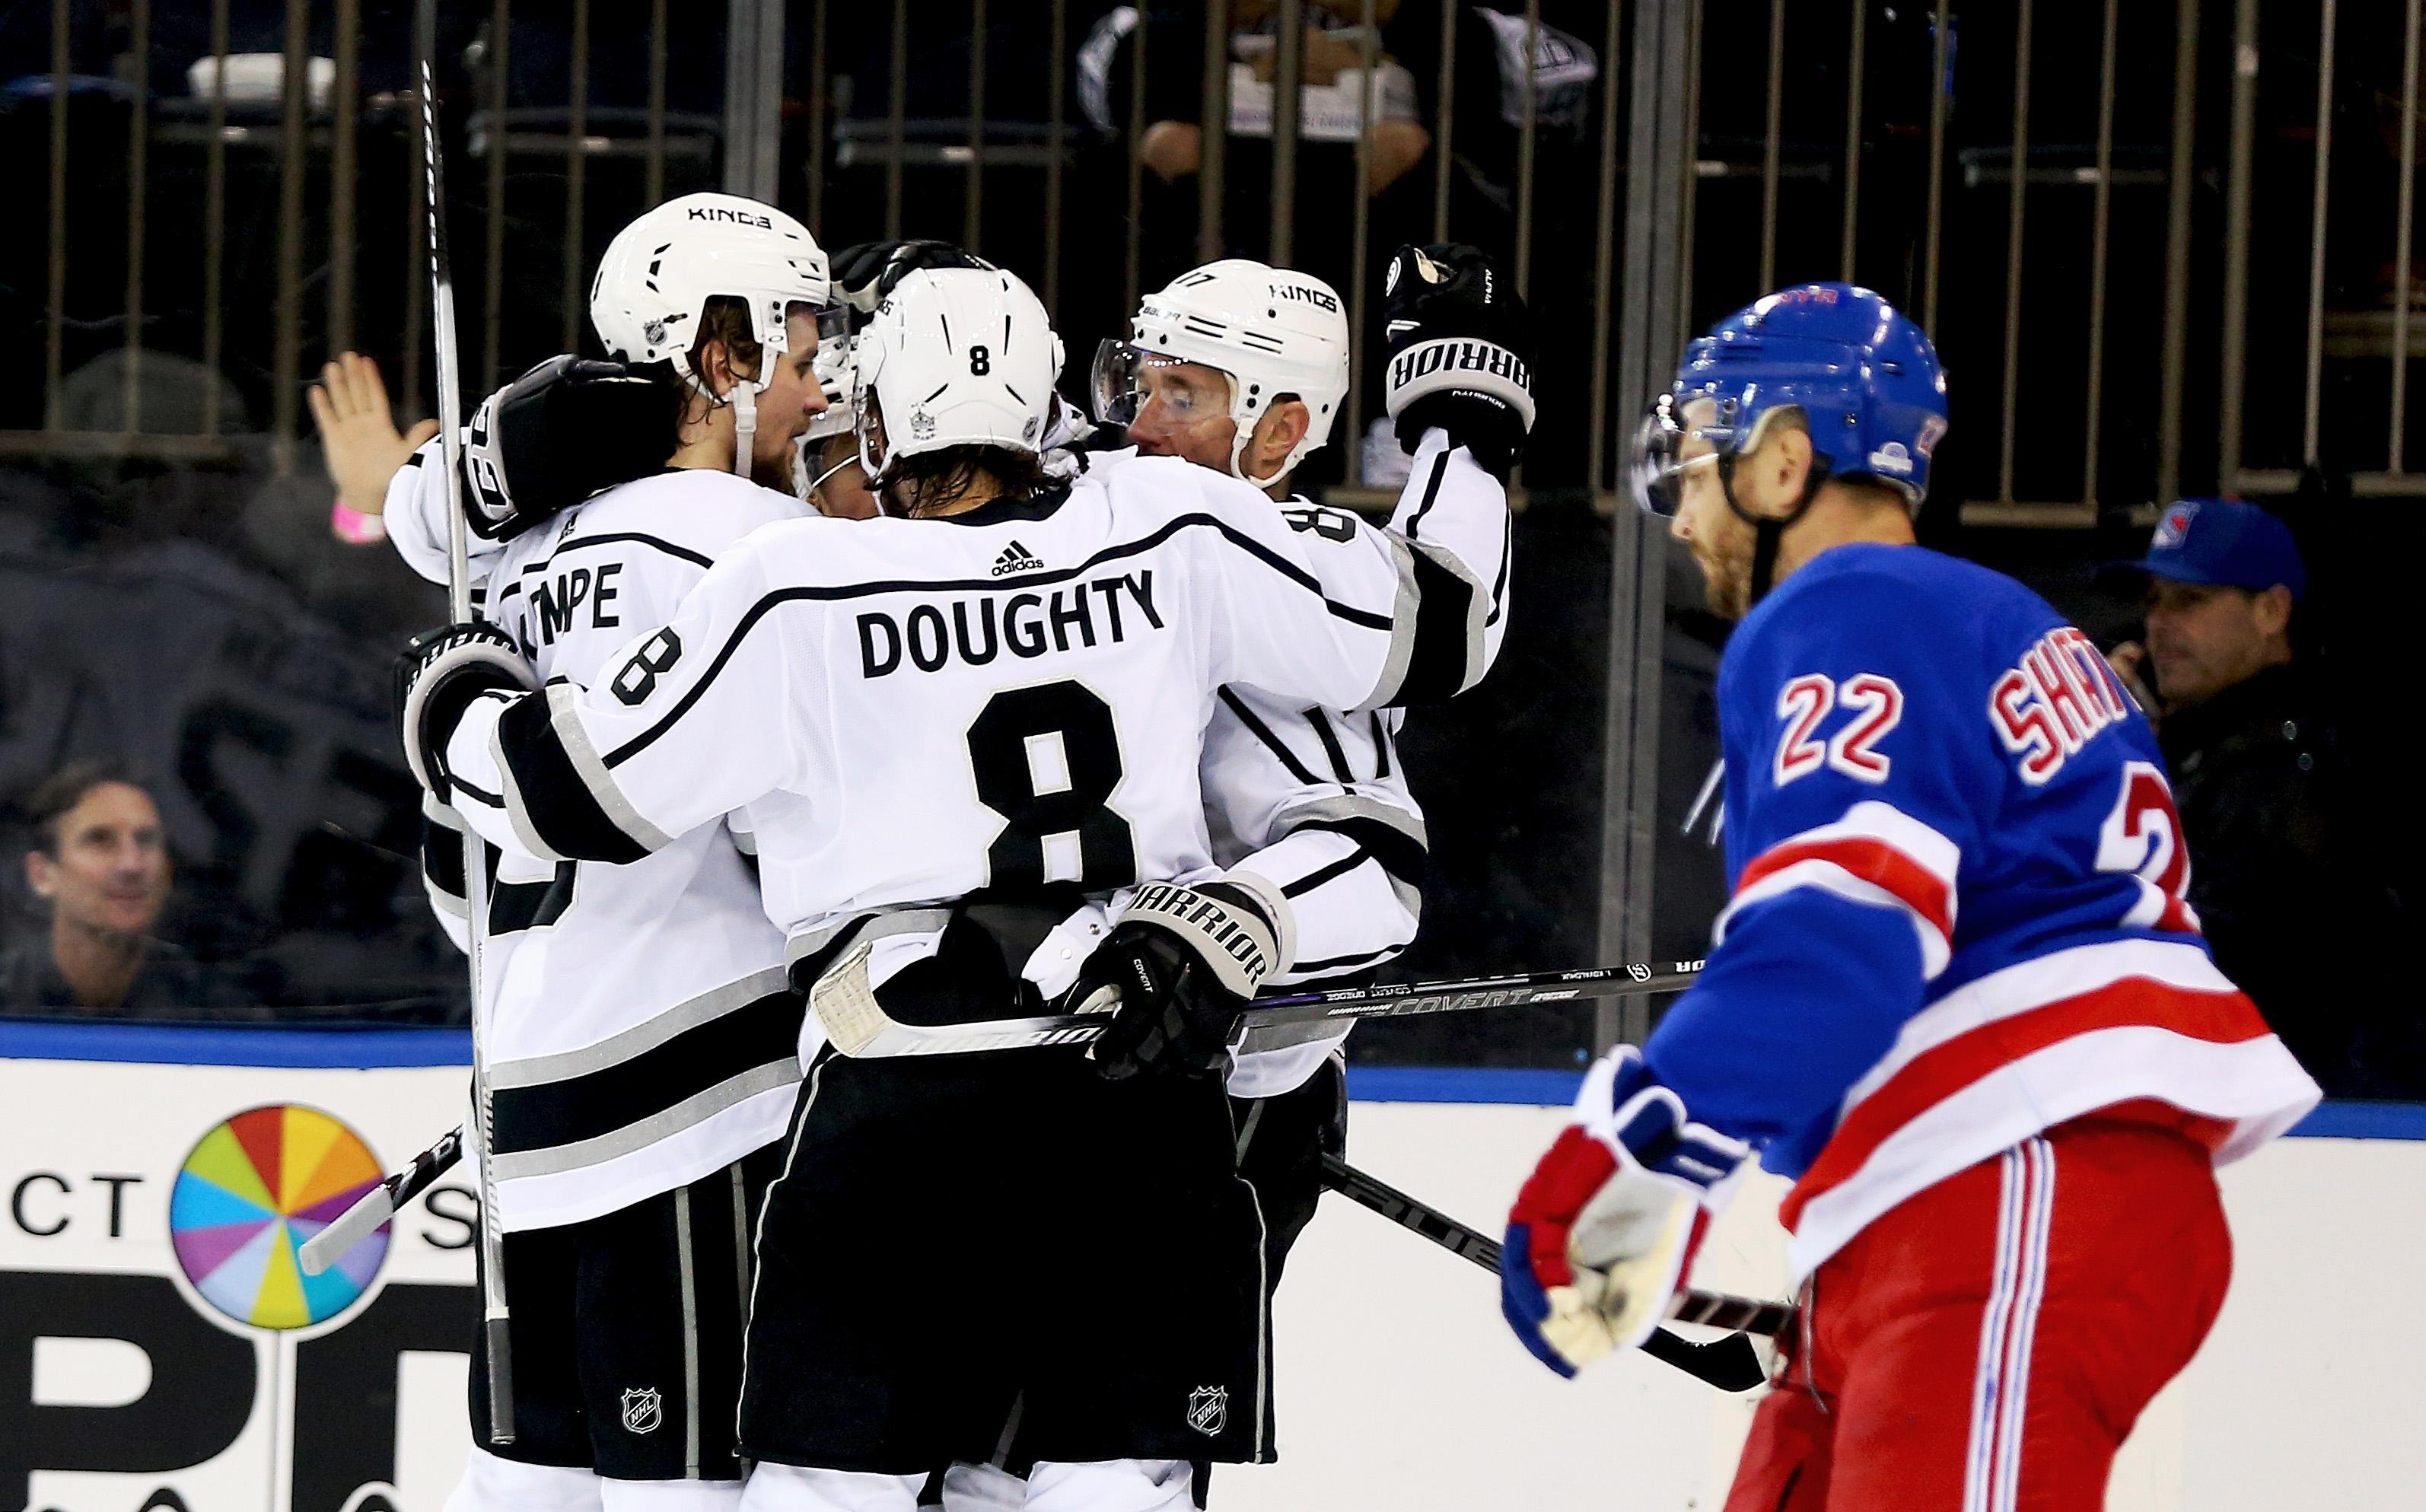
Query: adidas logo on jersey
[1016, 558]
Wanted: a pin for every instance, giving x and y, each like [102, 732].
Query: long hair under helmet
[650, 296]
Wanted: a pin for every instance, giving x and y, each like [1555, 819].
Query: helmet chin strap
[745, 425]
[1769, 530]
[1237, 464]
[1243, 429]
[809, 494]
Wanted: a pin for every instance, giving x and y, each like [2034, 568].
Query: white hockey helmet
[1274, 331]
[955, 357]
[660, 271]
[834, 367]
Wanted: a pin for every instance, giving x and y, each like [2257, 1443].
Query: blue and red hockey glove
[1605, 1229]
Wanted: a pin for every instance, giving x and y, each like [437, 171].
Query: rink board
[1398, 1385]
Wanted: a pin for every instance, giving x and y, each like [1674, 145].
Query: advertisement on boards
[161, 1349]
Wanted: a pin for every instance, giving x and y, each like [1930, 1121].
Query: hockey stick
[1731, 1364]
[391, 1197]
[858, 1025]
[494, 1312]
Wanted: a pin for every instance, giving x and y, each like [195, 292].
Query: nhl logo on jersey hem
[644, 1409]
[1208, 1409]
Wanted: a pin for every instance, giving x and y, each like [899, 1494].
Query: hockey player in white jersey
[954, 727]
[640, 1030]
[1242, 367]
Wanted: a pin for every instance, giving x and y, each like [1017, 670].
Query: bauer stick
[391, 1197]
[858, 1025]
[1731, 1364]
[494, 1313]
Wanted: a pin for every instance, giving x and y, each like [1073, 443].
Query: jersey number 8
[1047, 759]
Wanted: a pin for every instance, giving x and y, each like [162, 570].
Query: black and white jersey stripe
[640, 1029]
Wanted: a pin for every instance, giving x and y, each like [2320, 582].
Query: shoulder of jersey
[1906, 592]
[1170, 484]
[691, 506]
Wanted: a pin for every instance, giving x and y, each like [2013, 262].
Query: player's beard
[775, 472]
[1725, 553]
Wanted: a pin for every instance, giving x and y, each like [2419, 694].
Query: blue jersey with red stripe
[1956, 912]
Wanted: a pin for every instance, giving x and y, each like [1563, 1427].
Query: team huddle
[827, 654]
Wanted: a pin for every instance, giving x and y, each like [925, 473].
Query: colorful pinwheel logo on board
[253, 1190]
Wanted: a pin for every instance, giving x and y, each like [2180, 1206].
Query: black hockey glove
[1461, 348]
[437, 678]
[1184, 961]
[553, 437]
[865, 273]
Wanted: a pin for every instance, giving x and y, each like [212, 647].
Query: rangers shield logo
[1208, 1409]
[644, 1409]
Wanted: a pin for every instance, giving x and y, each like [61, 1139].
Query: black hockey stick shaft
[494, 1316]
[856, 1022]
[392, 1196]
[1460, 994]
[1731, 1364]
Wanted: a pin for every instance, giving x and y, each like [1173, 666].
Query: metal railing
[312, 132]
[1995, 341]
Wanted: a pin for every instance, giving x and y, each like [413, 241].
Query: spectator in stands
[2281, 877]
[99, 860]
[1331, 107]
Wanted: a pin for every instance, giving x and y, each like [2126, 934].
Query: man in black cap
[2281, 880]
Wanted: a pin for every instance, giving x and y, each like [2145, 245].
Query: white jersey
[641, 1032]
[1316, 802]
[1004, 702]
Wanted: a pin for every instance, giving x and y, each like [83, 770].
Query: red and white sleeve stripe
[1877, 854]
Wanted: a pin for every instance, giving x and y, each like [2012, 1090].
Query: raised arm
[1459, 388]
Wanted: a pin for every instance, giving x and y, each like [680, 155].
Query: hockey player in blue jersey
[1956, 995]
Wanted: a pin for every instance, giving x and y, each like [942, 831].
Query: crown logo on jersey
[1016, 558]
[1208, 1409]
[644, 1409]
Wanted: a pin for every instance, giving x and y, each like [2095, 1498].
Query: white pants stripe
[2009, 1328]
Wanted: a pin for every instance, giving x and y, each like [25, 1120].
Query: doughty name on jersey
[1029, 625]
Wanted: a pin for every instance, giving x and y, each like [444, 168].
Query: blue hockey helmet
[1864, 375]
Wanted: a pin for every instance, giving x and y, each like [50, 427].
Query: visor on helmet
[1687, 429]
[1680, 432]
[1118, 388]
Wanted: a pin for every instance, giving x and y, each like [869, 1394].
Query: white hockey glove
[1605, 1229]
[437, 678]
[1461, 346]
[1181, 962]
